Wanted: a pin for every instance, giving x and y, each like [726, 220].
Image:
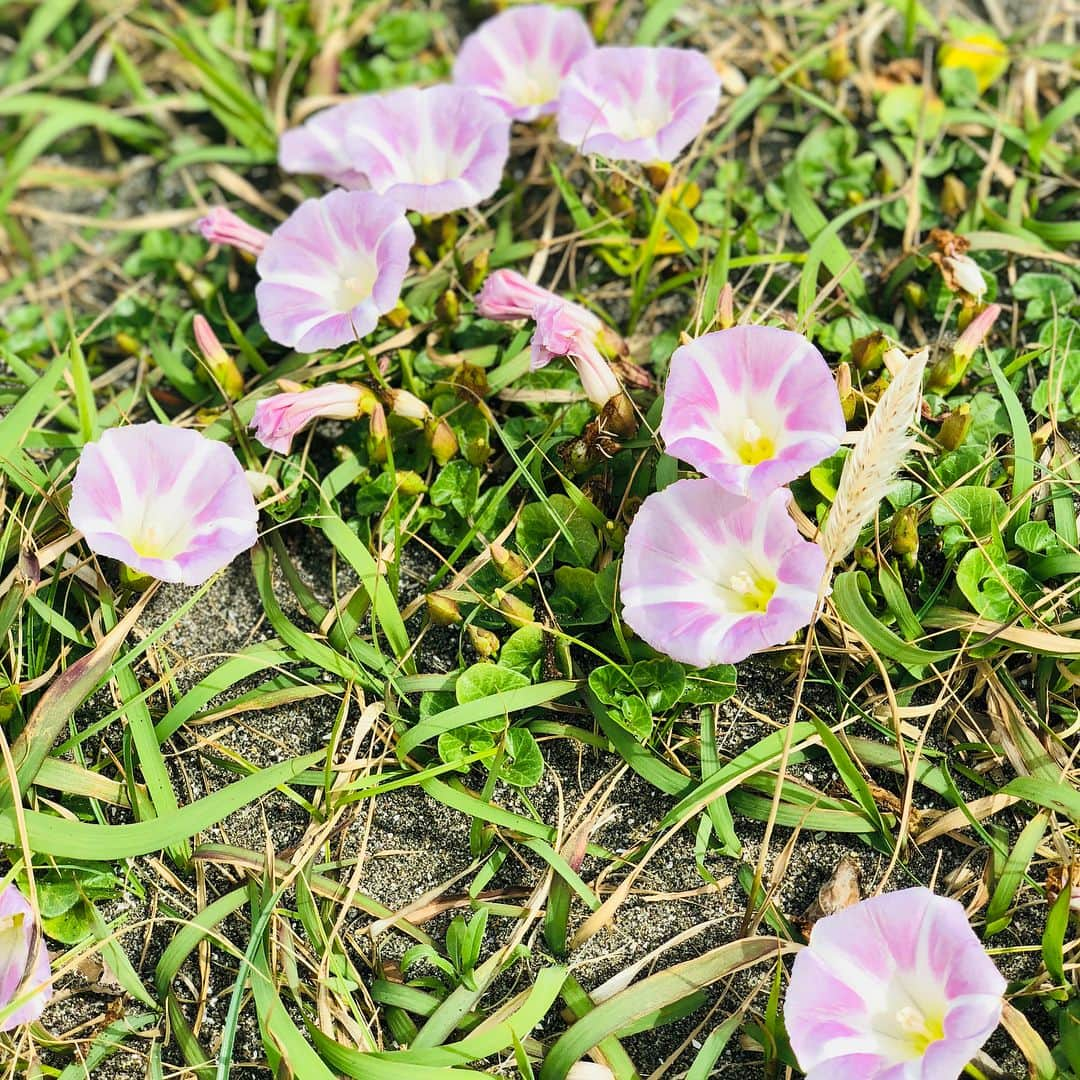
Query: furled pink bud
[222, 226]
[218, 362]
[949, 369]
[277, 419]
[508, 295]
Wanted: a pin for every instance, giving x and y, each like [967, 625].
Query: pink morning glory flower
[896, 987]
[166, 501]
[709, 577]
[318, 146]
[752, 407]
[278, 418]
[331, 269]
[637, 103]
[433, 150]
[519, 58]
[20, 936]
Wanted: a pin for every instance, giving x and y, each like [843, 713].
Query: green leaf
[575, 540]
[484, 680]
[524, 764]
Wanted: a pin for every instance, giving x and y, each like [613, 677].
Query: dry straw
[879, 452]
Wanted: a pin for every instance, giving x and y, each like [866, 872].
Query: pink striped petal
[709, 577]
[752, 407]
[896, 987]
[20, 936]
[637, 103]
[166, 501]
[331, 269]
[519, 58]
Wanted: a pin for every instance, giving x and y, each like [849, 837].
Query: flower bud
[9, 700]
[398, 316]
[844, 389]
[618, 416]
[658, 173]
[866, 352]
[470, 382]
[914, 295]
[953, 196]
[516, 612]
[950, 368]
[441, 439]
[485, 642]
[218, 362]
[725, 308]
[509, 565]
[442, 610]
[127, 344]
[378, 434]
[474, 271]
[222, 226]
[837, 61]
[201, 287]
[614, 535]
[865, 557]
[407, 405]
[904, 534]
[955, 427]
[447, 308]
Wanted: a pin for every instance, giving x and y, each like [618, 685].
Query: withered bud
[474, 272]
[955, 427]
[904, 534]
[447, 308]
[398, 316]
[845, 391]
[485, 642]
[442, 610]
[866, 352]
[509, 565]
[954, 199]
[657, 173]
[618, 417]
[441, 439]
[470, 382]
[516, 612]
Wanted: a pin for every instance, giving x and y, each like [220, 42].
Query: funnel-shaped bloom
[319, 147]
[897, 987]
[709, 577]
[433, 150]
[331, 269]
[166, 501]
[752, 407]
[637, 103]
[20, 936]
[520, 57]
[278, 418]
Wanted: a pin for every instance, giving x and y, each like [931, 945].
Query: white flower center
[749, 591]
[160, 541]
[356, 285]
[753, 446]
[914, 1030]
